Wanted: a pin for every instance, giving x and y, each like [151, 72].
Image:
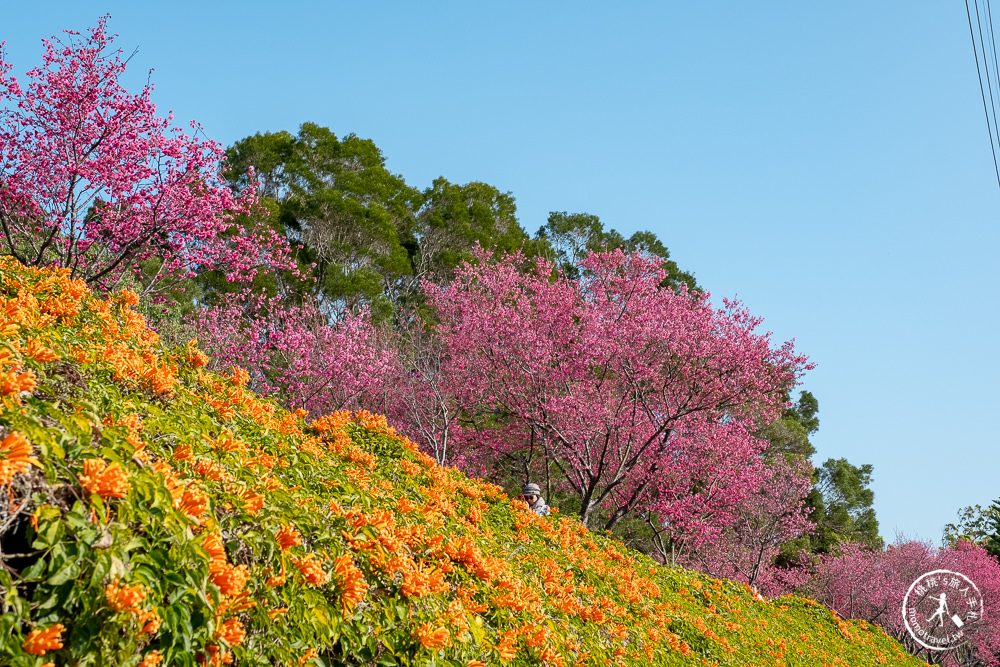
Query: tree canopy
[367, 239]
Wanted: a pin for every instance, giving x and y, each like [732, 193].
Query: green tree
[454, 218]
[840, 502]
[354, 219]
[841, 505]
[805, 411]
[570, 236]
[367, 238]
[790, 434]
[977, 524]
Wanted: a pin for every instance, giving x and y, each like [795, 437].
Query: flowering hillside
[159, 514]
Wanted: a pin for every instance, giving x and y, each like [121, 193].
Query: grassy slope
[166, 499]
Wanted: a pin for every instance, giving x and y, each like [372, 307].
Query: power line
[989, 80]
[982, 90]
[993, 46]
[986, 65]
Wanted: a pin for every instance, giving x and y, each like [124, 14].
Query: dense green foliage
[842, 506]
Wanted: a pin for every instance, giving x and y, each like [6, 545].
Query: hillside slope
[161, 514]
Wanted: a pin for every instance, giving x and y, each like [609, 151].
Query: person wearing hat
[532, 494]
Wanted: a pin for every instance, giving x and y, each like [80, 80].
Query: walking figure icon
[942, 610]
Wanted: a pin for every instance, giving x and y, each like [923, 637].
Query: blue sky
[826, 163]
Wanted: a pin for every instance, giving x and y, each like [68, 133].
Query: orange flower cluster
[107, 481]
[127, 297]
[464, 550]
[125, 598]
[311, 446]
[277, 580]
[134, 425]
[212, 470]
[186, 497]
[214, 656]
[310, 569]
[231, 581]
[433, 638]
[140, 368]
[231, 632]
[252, 502]
[129, 599]
[352, 583]
[287, 538]
[516, 594]
[239, 377]
[420, 579]
[40, 641]
[373, 422]
[14, 453]
[12, 384]
[195, 357]
[225, 442]
[36, 350]
[332, 423]
[507, 647]
[191, 501]
[152, 659]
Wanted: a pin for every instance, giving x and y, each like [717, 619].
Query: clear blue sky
[827, 163]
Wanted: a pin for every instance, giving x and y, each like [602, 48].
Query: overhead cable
[992, 127]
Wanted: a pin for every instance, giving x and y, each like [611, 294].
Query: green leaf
[67, 571]
[34, 571]
[101, 569]
[49, 534]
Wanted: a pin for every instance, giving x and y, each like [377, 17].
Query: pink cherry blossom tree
[744, 542]
[620, 385]
[293, 352]
[418, 395]
[867, 584]
[695, 504]
[93, 180]
[862, 583]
